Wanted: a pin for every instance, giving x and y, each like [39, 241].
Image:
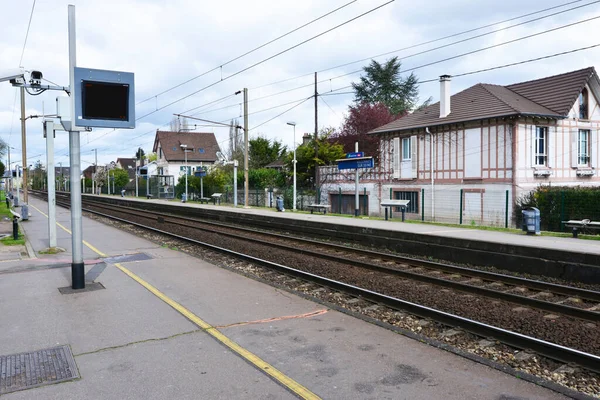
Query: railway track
[403, 267]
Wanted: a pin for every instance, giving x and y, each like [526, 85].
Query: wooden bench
[583, 224]
[216, 197]
[319, 207]
[394, 203]
[204, 200]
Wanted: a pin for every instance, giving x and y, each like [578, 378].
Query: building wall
[562, 168]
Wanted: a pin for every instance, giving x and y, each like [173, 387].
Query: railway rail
[551, 350]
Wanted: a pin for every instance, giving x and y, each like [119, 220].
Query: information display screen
[105, 101]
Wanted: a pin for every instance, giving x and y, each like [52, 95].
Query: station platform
[566, 244]
[164, 324]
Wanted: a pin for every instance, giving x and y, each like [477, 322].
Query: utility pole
[94, 184]
[246, 188]
[10, 180]
[49, 128]
[24, 147]
[317, 197]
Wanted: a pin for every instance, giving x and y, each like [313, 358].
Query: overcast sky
[168, 42]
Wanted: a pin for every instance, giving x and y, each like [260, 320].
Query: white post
[235, 167]
[356, 199]
[18, 183]
[114, 183]
[136, 182]
[186, 174]
[77, 266]
[294, 194]
[51, 178]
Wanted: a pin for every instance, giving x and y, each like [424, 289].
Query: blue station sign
[359, 154]
[355, 163]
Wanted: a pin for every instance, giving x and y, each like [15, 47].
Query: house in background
[489, 145]
[126, 163]
[201, 148]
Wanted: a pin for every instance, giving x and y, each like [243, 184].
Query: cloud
[166, 43]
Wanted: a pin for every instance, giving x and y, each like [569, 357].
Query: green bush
[561, 203]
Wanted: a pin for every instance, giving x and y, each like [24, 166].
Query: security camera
[11, 75]
[36, 78]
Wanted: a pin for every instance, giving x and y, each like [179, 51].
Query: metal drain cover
[28, 370]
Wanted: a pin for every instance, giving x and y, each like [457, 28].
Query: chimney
[444, 96]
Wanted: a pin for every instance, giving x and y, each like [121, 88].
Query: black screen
[103, 100]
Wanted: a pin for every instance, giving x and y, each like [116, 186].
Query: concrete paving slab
[341, 357]
[35, 315]
[191, 366]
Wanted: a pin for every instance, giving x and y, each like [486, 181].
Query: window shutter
[532, 146]
[574, 137]
[594, 154]
[551, 138]
[413, 156]
[396, 159]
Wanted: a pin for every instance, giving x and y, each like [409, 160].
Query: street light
[184, 147]
[294, 199]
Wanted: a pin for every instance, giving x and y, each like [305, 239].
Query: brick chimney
[444, 96]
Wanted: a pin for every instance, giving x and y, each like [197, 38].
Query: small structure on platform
[162, 186]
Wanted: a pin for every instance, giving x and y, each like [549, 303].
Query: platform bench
[394, 203]
[204, 200]
[583, 224]
[148, 196]
[319, 207]
[216, 197]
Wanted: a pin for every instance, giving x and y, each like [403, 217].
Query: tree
[152, 157]
[121, 177]
[262, 152]
[235, 148]
[329, 151]
[140, 154]
[361, 119]
[382, 83]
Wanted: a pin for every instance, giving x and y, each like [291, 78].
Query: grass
[9, 241]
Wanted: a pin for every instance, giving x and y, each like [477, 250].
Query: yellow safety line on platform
[95, 250]
[259, 363]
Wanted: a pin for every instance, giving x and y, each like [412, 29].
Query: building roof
[547, 97]
[126, 163]
[201, 146]
[277, 164]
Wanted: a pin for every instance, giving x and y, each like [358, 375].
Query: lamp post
[184, 147]
[294, 162]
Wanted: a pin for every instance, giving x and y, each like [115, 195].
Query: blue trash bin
[531, 221]
[279, 204]
[183, 198]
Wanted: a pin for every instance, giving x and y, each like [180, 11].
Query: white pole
[77, 266]
[294, 193]
[51, 178]
[235, 167]
[136, 182]
[186, 174]
[18, 183]
[356, 200]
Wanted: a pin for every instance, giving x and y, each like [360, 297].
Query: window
[201, 150]
[583, 104]
[413, 206]
[583, 146]
[174, 148]
[540, 145]
[406, 151]
[160, 155]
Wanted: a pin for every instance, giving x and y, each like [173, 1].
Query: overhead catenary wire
[415, 54]
[422, 43]
[251, 51]
[262, 61]
[27, 34]
[478, 50]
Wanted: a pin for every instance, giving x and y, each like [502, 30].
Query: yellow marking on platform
[259, 363]
[95, 250]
